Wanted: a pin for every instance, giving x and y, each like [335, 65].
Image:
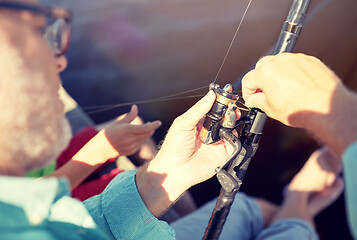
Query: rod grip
[219, 215]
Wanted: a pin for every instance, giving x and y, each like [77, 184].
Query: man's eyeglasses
[57, 31]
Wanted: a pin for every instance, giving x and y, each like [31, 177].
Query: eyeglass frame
[51, 13]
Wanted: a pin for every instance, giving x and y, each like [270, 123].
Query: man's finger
[257, 100]
[249, 85]
[263, 61]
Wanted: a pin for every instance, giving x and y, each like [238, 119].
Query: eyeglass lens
[57, 34]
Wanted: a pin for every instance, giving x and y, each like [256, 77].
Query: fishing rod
[221, 120]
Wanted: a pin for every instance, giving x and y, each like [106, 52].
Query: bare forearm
[338, 128]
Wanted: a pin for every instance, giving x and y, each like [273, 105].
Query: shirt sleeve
[349, 159]
[121, 213]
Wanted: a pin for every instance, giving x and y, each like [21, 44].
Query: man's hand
[182, 161]
[288, 84]
[300, 91]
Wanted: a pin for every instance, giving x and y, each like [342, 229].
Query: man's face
[33, 128]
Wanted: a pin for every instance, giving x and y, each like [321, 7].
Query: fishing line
[163, 98]
[233, 39]
[153, 100]
[90, 110]
[103, 108]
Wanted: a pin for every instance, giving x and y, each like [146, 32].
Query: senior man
[34, 132]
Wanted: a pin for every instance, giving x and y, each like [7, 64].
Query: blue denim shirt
[349, 171]
[31, 209]
[122, 214]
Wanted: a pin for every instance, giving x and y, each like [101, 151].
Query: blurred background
[135, 50]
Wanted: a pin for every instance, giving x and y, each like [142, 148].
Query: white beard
[33, 129]
[44, 152]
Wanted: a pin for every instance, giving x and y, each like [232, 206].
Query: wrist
[173, 181]
[158, 189]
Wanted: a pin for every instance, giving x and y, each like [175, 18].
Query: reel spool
[221, 114]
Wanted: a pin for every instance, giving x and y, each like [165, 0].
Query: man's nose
[61, 63]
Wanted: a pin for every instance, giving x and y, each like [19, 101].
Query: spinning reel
[219, 124]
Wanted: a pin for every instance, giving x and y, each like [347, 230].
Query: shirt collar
[30, 196]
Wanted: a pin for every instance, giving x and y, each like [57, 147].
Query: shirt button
[35, 219]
